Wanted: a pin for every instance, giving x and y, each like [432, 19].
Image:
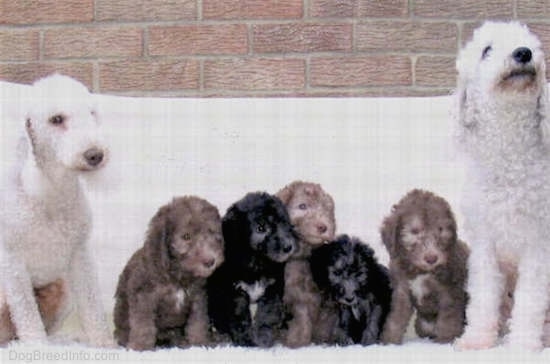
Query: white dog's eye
[186, 236]
[486, 51]
[302, 206]
[57, 119]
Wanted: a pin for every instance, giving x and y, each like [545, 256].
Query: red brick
[435, 71]
[99, 42]
[533, 8]
[359, 8]
[198, 39]
[407, 36]
[19, 45]
[45, 11]
[252, 9]
[145, 10]
[360, 71]
[281, 38]
[463, 9]
[29, 72]
[149, 76]
[254, 74]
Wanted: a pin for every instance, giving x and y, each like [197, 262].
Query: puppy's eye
[57, 119]
[302, 206]
[260, 228]
[186, 236]
[486, 51]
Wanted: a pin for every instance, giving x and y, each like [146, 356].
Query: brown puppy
[161, 298]
[311, 211]
[427, 269]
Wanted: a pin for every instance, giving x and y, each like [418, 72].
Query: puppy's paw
[264, 337]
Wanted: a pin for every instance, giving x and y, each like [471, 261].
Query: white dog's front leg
[17, 287]
[485, 287]
[531, 300]
[88, 299]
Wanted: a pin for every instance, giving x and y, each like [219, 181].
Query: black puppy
[259, 238]
[356, 292]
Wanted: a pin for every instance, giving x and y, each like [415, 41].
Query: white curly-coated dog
[45, 220]
[502, 99]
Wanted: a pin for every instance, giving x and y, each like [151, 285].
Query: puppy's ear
[389, 233]
[285, 194]
[235, 229]
[159, 237]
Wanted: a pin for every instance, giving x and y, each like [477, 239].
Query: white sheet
[366, 152]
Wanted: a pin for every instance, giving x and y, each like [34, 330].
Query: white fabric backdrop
[366, 152]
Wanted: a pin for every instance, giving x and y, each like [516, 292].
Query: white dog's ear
[543, 114]
[461, 108]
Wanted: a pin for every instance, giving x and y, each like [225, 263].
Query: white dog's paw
[102, 341]
[476, 341]
[523, 342]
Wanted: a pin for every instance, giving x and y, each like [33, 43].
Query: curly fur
[46, 219]
[161, 295]
[259, 240]
[501, 101]
[356, 292]
[311, 211]
[427, 268]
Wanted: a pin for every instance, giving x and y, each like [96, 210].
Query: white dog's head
[503, 63]
[62, 125]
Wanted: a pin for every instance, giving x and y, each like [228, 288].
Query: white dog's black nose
[522, 55]
[93, 156]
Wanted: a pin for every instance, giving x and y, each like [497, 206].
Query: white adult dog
[45, 218]
[502, 101]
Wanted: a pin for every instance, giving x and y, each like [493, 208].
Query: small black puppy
[259, 239]
[356, 289]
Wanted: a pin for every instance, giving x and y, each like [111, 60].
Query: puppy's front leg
[141, 321]
[196, 329]
[450, 318]
[372, 327]
[83, 281]
[20, 299]
[400, 315]
[269, 316]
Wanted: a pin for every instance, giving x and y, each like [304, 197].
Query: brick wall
[250, 47]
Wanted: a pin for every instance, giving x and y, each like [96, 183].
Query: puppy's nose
[209, 263]
[431, 259]
[522, 55]
[349, 299]
[287, 248]
[93, 156]
[322, 228]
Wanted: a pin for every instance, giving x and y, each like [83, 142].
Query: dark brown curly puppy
[427, 269]
[311, 211]
[161, 296]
